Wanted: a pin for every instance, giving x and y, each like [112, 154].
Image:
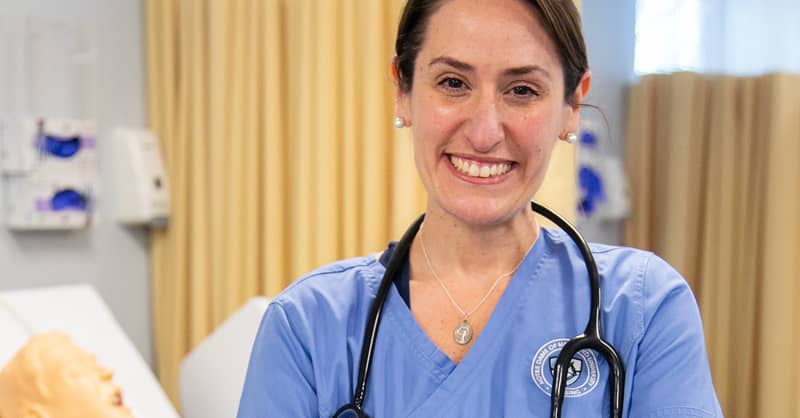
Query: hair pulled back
[559, 18]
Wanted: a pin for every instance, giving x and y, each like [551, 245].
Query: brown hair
[559, 18]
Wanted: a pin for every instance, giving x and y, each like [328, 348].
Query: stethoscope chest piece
[350, 411]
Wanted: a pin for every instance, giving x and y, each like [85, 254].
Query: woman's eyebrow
[525, 70]
[459, 65]
[463, 66]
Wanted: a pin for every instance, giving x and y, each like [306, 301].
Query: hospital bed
[212, 375]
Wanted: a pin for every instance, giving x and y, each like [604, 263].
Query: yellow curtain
[715, 184]
[275, 117]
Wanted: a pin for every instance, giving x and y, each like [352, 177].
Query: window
[667, 36]
[717, 36]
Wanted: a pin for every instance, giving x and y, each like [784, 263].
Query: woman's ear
[401, 99]
[584, 85]
[573, 118]
[395, 74]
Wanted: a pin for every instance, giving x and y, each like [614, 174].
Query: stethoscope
[590, 338]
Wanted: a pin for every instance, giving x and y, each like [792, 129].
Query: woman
[486, 298]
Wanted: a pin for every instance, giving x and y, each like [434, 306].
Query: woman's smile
[480, 170]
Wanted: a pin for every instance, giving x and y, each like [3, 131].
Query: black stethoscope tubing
[590, 339]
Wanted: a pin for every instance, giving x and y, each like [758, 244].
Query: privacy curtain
[275, 117]
[714, 165]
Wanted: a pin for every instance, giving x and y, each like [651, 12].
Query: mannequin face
[51, 377]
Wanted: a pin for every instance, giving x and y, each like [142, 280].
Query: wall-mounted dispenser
[141, 189]
[49, 170]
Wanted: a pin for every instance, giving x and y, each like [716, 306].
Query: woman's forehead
[498, 33]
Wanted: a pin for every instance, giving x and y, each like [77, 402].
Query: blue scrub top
[305, 358]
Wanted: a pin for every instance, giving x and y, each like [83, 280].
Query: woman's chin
[481, 214]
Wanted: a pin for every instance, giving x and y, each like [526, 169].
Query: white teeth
[474, 169]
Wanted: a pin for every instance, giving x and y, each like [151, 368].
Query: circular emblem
[583, 374]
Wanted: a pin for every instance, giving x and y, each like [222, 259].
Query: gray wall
[609, 28]
[112, 258]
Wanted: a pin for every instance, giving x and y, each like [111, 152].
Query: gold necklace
[462, 333]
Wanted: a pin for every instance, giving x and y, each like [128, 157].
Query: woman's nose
[484, 129]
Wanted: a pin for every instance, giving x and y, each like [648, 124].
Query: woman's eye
[452, 83]
[524, 91]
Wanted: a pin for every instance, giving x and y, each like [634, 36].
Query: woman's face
[486, 107]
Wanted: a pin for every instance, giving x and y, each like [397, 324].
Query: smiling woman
[477, 306]
[489, 88]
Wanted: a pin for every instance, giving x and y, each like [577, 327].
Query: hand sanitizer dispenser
[141, 189]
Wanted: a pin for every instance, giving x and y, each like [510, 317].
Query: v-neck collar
[448, 373]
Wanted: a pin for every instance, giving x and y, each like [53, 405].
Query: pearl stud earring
[399, 122]
[571, 138]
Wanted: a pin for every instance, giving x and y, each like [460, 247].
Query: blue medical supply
[68, 200]
[59, 147]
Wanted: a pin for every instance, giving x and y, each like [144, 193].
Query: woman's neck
[459, 251]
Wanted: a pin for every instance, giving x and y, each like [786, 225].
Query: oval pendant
[463, 333]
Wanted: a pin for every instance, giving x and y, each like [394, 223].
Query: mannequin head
[51, 377]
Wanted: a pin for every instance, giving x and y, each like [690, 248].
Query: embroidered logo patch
[583, 374]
